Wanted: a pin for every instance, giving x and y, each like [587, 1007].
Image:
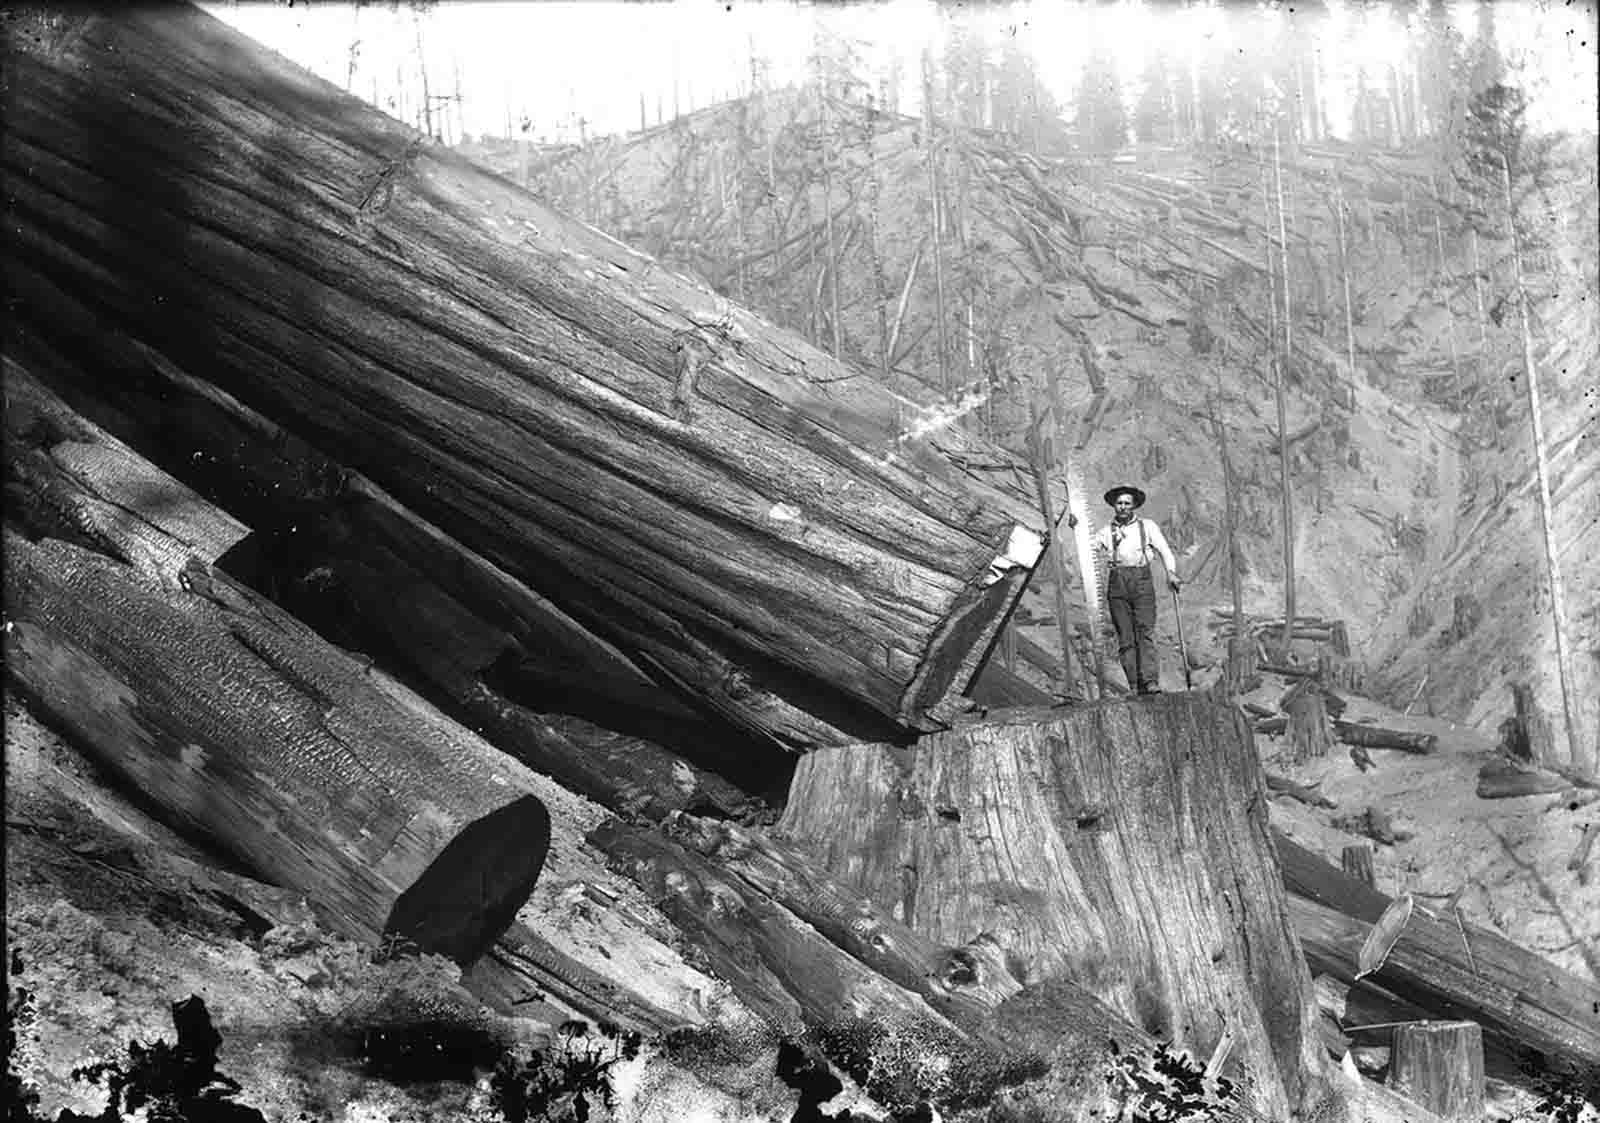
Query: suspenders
[1144, 545]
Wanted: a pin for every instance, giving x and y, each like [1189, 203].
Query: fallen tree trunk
[1452, 969]
[1505, 779]
[734, 509]
[295, 760]
[1353, 733]
[339, 553]
[964, 984]
[1375, 737]
[1077, 839]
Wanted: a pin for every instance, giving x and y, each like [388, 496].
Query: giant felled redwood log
[733, 508]
[1122, 846]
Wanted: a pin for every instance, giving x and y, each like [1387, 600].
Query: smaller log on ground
[1440, 1065]
[1375, 737]
[1448, 967]
[778, 965]
[1282, 785]
[1356, 860]
[1505, 779]
[1117, 844]
[965, 984]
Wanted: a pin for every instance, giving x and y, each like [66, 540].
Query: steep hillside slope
[1157, 276]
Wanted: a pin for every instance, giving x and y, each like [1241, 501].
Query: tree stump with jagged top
[1122, 845]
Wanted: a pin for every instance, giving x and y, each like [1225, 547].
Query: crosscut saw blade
[1091, 566]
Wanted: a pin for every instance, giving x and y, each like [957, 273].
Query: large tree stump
[1121, 845]
[1440, 1065]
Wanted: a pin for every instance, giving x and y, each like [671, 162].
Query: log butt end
[468, 896]
[961, 644]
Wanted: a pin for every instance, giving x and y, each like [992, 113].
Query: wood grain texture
[242, 727]
[1122, 846]
[512, 374]
[344, 556]
[1440, 1065]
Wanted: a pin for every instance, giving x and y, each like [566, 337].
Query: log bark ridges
[340, 553]
[248, 731]
[773, 543]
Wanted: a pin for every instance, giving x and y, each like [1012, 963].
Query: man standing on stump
[1130, 586]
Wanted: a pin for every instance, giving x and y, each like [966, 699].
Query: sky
[571, 70]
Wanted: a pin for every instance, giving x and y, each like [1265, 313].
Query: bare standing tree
[1283, 422]
[933, 149]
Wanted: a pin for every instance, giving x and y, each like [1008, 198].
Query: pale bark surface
[725, 502]
[1121, 846]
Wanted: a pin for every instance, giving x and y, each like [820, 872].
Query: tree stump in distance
[1241, 673]
[1122, 846]
[1440, 1066]
[1309, 732]
[1525, 735]
[1357, 862]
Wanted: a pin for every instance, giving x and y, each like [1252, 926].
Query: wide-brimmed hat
[1138, 496]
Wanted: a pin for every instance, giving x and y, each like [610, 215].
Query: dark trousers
[1131, 597]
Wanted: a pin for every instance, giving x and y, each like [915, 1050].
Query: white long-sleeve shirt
[1128, 551]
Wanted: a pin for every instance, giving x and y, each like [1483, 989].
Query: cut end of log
[469, 895]
[960, 646]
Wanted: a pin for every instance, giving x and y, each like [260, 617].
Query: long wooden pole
[1578, 752]
[1283, 424]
